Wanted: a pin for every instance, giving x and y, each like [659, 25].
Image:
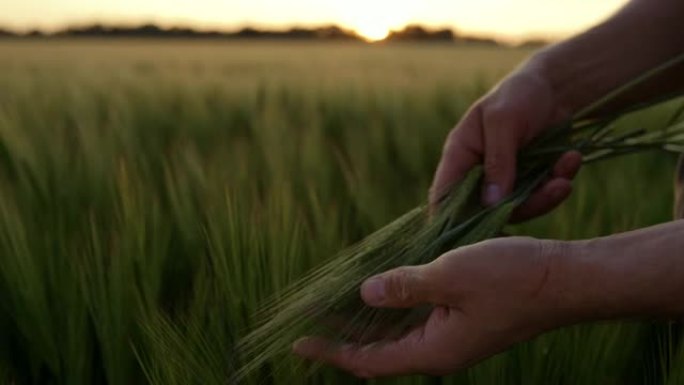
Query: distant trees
[330, 32]
[411, 33]
[143, 31]
[419, 33]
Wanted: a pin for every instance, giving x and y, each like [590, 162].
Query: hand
[494, 130]
[486, 297]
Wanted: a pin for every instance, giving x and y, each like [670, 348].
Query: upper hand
[494, 130]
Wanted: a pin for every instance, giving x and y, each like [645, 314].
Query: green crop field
[152, 194]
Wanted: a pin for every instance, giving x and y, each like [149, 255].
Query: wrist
[568, 296]
[587, 283]
[590, 284]
[637, 274]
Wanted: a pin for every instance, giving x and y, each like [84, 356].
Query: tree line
[332, 32]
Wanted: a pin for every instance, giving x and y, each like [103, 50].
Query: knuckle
[472, 120]
[450, 145]
[454, 140]
[398, 286]
[499, 112]
[502, 120]
[453, 134]
[492, 163]
[495, 113]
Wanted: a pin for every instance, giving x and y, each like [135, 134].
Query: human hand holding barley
[494, 130]
[492, 295]
[486, 297]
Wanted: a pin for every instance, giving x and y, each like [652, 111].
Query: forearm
[641, 36]
[636, 274]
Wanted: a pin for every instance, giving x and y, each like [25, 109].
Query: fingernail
[492, 194]
[373, 290]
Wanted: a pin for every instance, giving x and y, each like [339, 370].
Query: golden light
[373, 32]
[374, 19]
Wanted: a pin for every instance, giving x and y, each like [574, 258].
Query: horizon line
[237, 27]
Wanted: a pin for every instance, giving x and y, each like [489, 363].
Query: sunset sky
[372, 18]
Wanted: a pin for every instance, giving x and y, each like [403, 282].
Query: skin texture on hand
[493, 131]
[554, 84]
[486, 297]
[491, 295]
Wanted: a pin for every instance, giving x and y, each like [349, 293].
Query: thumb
[403, 287]
[500, 160]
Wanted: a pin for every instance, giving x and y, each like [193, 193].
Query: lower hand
[486, 297]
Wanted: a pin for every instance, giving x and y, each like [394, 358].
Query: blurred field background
[152, 194]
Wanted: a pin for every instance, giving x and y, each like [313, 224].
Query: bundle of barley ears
[327, 301]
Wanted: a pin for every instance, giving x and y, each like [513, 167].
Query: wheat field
[154, 193]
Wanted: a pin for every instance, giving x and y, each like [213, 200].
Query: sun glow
[373, 32]
[374, 19]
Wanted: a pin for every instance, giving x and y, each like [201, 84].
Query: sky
[372, 18]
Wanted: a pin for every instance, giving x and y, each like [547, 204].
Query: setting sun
[374, 20]
[372, 32]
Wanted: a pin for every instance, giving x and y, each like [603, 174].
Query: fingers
[461, 153]
[403, 287]
[568, 165]
[428, 349]
[365, 361]
[554, 192]
[547, 198]
[493, 138]
[349, 330]
[501, 149]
